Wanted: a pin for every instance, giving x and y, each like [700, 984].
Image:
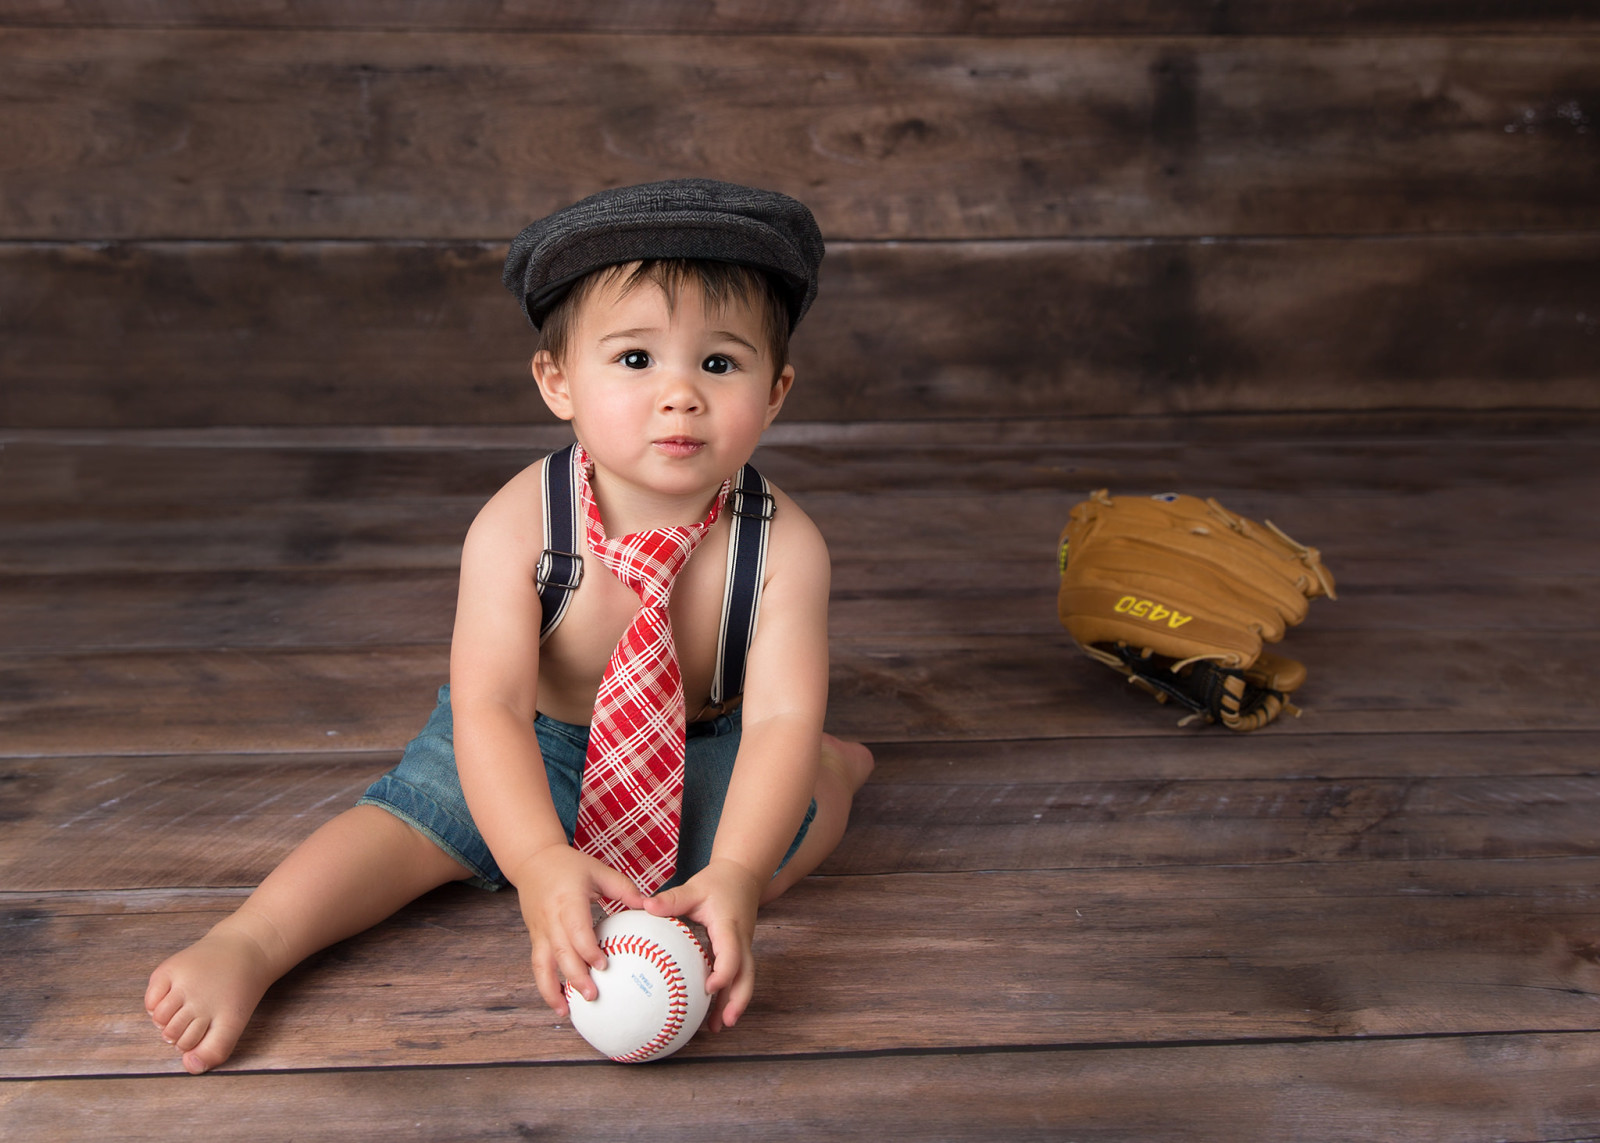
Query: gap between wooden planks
[1431, 1090]
[878, 963]
[208, 820]
[421, 334]
[973, 687]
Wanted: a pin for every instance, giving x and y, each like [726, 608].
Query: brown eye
[636, 359]
[717, 363]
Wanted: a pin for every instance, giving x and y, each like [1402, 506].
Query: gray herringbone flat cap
[681, 218]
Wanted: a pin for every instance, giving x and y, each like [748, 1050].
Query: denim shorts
[424, 790]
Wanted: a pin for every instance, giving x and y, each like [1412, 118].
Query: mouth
[680, 446]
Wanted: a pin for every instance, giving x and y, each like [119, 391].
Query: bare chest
[573, 660]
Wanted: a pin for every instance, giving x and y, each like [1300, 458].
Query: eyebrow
[729, 335]
[631, 334]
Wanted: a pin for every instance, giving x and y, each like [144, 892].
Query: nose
[680, 392]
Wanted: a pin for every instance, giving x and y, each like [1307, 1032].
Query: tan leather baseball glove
[1179, 594]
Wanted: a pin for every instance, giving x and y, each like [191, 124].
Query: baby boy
[593, 743]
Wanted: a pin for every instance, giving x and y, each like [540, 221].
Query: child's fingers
[739, 995]
[548, 981]
[670, 903]
[730, 1002]
[576, 973]
[577, 950]
[564, 946]
[733, 970]
[618, 887]
[714, 1020]
[720, 1017]
[734, 993]
[726, 961]
[575, 935]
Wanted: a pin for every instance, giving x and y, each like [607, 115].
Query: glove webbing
[1217, 694]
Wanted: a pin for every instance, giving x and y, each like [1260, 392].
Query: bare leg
[346, 877]
[845, 768]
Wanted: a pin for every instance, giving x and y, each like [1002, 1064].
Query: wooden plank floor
[1056, 915]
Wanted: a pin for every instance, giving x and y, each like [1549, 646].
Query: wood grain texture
[94, 611]
[852, 964]
[904, 687]
[900, 513]
[986, 686]
[1431, 1091]
[154, 134]
[153, 822]
[827, 17]
[1371, 534]
[1441, 627]
[1389, 460]
[1056, 915]
[121, 547]
[198, 335]
[1065, 824]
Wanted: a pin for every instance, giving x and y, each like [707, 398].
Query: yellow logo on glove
[1151, 610]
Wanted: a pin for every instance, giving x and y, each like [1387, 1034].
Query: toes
[159, 989]
[201, 998]
[172, 1031]
[196, 1064]
[165, 1009]
[191, 1036]
[213, 1049]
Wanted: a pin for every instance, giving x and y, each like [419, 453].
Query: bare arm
[494, 681]
[785, 700]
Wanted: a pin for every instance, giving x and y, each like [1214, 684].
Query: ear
[780, 389]
[554, 385]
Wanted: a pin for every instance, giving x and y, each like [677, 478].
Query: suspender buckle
[547, 569]
[764, 508]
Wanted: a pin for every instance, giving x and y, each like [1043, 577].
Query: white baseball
[652, 992]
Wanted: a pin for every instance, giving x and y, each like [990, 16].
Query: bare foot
[850, 761]
[202, 998]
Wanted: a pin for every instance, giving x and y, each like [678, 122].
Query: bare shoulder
[796, 551]
[494, 650]
[787, 673]
[511, 525]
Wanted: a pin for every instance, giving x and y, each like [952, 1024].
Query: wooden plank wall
[284, 213]
[1335, 261]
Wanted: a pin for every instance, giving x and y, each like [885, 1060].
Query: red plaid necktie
[632, 796]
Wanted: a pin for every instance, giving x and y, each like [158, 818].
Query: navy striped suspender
[751, 507]
[561, 564]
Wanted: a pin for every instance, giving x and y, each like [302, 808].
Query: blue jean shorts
[424, 790]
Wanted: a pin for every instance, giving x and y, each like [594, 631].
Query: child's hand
[723, 897]
[555, 887]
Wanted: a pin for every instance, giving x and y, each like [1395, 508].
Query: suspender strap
[561, 564]
[752, 507]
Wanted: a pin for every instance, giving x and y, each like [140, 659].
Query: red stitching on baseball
[677, 996]
[677, 987]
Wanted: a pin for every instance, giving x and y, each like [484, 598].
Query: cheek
[745, 415]
[612, 403]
